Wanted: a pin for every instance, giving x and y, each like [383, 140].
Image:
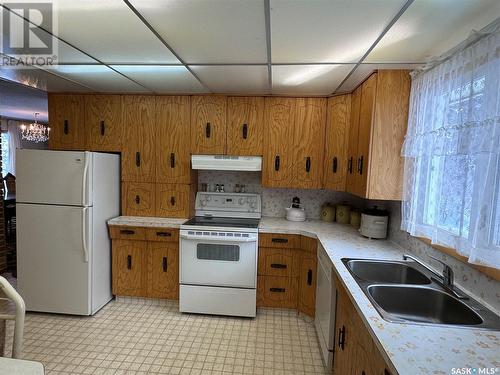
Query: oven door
[213, 260]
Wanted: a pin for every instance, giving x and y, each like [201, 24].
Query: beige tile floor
[133, 336]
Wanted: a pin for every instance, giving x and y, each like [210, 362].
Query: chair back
[10, 183]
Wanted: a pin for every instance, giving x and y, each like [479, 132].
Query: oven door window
[230, 253]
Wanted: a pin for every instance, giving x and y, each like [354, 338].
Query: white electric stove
[218, 255]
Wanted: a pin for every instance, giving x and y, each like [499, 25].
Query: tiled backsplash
[466, 276]
[274, 201]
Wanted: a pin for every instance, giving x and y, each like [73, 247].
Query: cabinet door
[138, 199]
[138, 155]
[245, 122]
[208, 124]
[128, 274]
[163, 270]
[308, 142]
[278, 142]
[174, 200]
[336, 145]
[343, 362]
[103, 117]
[67, 122]
[352, 150]
[366, 111]
[307, 285]
[173, 137]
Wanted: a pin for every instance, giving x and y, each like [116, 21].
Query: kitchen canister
[355, 219]
[328, 212]
[343, 214]
[374, 223]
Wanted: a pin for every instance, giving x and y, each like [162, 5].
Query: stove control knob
[240, 201]
[208, 198]
[203, 202]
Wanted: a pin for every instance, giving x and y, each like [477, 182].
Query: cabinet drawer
[278, 262]
[162, 234]
[127, 232]
[288, 241]
[274, 291]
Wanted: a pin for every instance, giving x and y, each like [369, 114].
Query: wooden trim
[494, 273]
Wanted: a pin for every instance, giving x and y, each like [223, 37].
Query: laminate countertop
[407, 348]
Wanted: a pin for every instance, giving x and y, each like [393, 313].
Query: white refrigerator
[64, 199]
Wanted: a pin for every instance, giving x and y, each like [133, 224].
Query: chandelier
[35, 132]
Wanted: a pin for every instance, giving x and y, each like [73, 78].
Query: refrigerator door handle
[84, 182]
[84, 235]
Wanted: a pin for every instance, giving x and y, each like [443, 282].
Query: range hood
[226, 162]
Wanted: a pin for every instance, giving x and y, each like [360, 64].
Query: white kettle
[295, 212]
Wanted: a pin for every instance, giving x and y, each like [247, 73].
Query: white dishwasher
[326, 299]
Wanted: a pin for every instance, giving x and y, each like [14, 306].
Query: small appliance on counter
[355, 219]
[328, 212]
[343, 214]
[295, 212]
[374, 223]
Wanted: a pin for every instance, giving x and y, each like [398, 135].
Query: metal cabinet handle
[127, 231]
[172, 200]
[279, 240]
[277, 163]
[334, 164]
[278, 265]
[308, 164]
[164, 234]
[309, 277]
[207, 130]
[245, 131]
[277, 290]
[360, 164]
[138, 159]
[349, 165]
[129, 262]
[342, 337]
[103, 128]
[66, 127]
[172, 160]
[137, 199]
[164, 264]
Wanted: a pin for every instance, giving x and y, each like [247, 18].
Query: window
[5, 153]
[452, 154]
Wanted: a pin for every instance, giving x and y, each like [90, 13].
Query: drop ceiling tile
[245, 79]
[337, 31]
[216, 31]
[364, 70]
[98, 77]
[163, 79]
[40, 79]
[308, 79]
[109, 31]
[430, 28]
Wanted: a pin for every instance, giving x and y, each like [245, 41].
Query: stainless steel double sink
[405, 292]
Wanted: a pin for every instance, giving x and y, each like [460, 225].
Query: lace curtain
[452, 153]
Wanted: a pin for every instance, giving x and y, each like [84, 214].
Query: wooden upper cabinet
[245, 123]
[208, 124]
[103, 119]
[352, 145]
[279, 115]
[138, 152]
[366, 110]
[337, 142]
[138, 199]
[175, 200]
[67, 122]
[308, 143]
[389, 129]
[173, 137]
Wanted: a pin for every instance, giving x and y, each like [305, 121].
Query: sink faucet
[445, 280]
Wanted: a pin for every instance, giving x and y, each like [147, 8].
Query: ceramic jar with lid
[343, 214]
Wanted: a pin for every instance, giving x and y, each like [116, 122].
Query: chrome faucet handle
[448, 276]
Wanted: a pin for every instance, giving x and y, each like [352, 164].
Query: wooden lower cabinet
[148, 267]
[355, 350]
[128, 268]
[287, 274]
